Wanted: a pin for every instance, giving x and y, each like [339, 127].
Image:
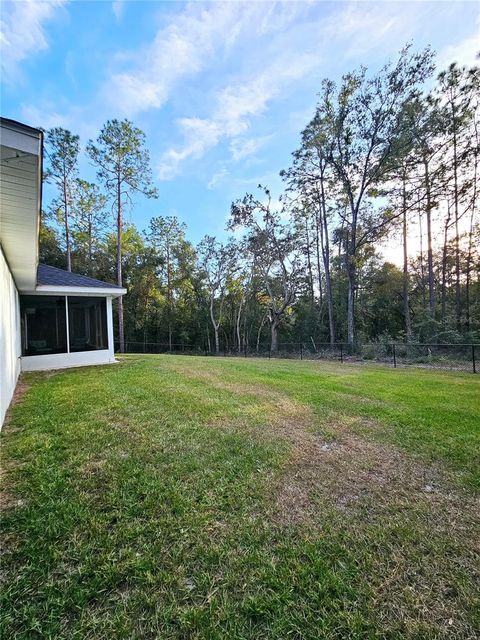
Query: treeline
[382, 156]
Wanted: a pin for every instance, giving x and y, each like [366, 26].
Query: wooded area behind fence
[457, 357]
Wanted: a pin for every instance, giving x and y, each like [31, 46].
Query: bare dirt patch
[20, 390]
[9, 500]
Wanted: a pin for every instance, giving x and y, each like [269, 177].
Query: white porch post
[67, 326]
[111, 346]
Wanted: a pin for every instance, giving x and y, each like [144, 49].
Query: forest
[386, 157]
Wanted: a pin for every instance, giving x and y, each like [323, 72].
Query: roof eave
[29, 141]
[46, 289]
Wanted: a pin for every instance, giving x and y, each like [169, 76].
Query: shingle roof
[48, 275]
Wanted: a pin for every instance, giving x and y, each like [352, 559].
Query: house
[49, 318]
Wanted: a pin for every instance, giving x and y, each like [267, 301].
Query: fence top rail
[325, 344]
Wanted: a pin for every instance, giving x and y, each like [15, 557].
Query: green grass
[176, 497]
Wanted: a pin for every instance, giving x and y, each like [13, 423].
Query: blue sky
[222, 90]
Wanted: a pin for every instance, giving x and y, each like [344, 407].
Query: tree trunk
[431, 282]
[208, 342]
[217, 340]
[469, 267]
[317, 251]
[215, 326]
[457, 235]
[444, 265]
[470, 234]
[239, 318]
[274, 333]
[90, 243]
[121, 336]
[406, 302]
[309, 265]
[350, 306]
[350, 253]
[145, 325]
[67, 226]
[325, 244]
[169, 298]
[422, 270]
[458, 310]
[259, 332]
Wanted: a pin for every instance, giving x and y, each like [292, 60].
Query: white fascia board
[100, 292]
[21, 138]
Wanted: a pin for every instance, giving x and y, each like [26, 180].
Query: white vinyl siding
[9, 337]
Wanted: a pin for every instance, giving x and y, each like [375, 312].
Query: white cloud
[199, 136]
[47, 119]
[235, 106]
[243, 147]
[216, 178]
[286, 60]
[199, 34]
[59, 113]
[464, 52]
[22, 32]
[361, 27]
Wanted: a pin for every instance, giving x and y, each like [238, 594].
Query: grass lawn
[218, 498]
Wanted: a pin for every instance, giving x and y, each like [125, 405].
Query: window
[87, 323]
[43, 325]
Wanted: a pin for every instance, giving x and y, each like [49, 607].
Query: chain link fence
[455, 357]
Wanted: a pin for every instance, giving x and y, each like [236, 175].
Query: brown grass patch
[355, 473]
[349, 472]
[7, 499]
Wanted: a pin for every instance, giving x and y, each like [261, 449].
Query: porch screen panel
[87, 323]
[43, 325]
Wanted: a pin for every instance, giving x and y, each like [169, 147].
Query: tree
[50, 249]
[311, 178]
[62, 149]
[381, 159]
[167, 237]
[457, 90]
[90, 222]
[277, 255]
[425, 118]
[473, 212]
[217, 263]
[123, 164]
[365, 120]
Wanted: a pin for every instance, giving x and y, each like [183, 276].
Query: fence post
[301, 351]
[341, 353]
[473, 359]
[269, 351]
[394, 357]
